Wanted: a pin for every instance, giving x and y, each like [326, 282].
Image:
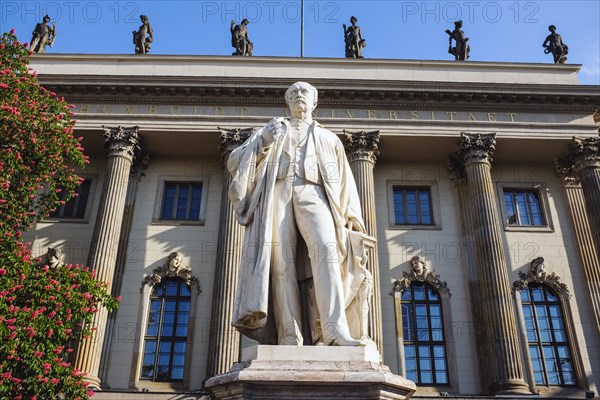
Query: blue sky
[502, 30]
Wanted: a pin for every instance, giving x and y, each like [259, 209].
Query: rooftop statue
[143, 37]
[554, 44]
[462, 48]
[42, 36]
[302, 276]
[354, 40]
[239, 39]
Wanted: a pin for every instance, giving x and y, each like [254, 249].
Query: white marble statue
[294, 191]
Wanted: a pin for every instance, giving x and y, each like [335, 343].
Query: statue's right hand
[272, 130]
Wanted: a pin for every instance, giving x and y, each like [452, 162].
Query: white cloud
[590, 71]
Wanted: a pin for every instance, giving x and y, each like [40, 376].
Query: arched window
[423, 332]
[546, 336]
[166, 335]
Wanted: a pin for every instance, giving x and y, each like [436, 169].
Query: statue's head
[144, 18]
[301, 96]
[353, 20]
[418, 264]
[245, 21]
[174, 260]
[46, 18]
[52, 258]
[552, 28]
[458, 24]
[538, 267]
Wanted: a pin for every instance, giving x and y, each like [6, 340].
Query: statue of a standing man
[143, 37]
[294, 191]
[239, 39]
[554, 44]
[42, 35]
[462, 49]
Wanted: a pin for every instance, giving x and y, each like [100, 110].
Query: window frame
[541, 190]
[179, 180]
[436, 215]
[560, 290]
[540, 344]
[430, 343]
[172, 339]
[88, 208]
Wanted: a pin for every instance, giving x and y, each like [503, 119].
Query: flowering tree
[43, 311]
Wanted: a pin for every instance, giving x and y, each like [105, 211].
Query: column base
[310, 372]
[93, 380]
[509, 386]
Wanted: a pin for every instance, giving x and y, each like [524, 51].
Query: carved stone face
[538, 267]
[301, 98]
[418, 264]
[174, 261]
[53, 257]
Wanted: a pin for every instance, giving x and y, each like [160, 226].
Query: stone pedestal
[310, 372]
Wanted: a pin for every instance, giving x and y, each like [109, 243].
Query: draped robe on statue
[254, 169]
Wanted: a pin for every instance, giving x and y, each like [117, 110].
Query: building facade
[480, 181]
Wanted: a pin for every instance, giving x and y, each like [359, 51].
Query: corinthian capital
[362, 145]
[581, 153]
[232, 139]
[120, 141]
[476, 147]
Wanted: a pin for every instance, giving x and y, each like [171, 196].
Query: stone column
[362, 150]
[582, 162]
[457, 169]
[140, 163]
[505, 373]
[224, 341]
[122, 144]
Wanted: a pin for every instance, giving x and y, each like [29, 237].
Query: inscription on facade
[333, 113]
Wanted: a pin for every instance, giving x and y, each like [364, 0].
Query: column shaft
[505, 373]
[585, 243]
[590, 183]
[122, 144]
[581, 164]
[224, 341]
[362, 149]
[363, 173]
[482, 349]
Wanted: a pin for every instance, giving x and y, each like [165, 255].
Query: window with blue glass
[523, 207]
[423, 331]
[181, 201]
[165, 341]
[412, 206]
[546, 336]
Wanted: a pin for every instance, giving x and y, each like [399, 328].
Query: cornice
[342, 93]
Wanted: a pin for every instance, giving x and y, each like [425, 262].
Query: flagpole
[301, 28]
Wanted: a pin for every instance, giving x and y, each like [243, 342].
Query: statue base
[309, 372]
